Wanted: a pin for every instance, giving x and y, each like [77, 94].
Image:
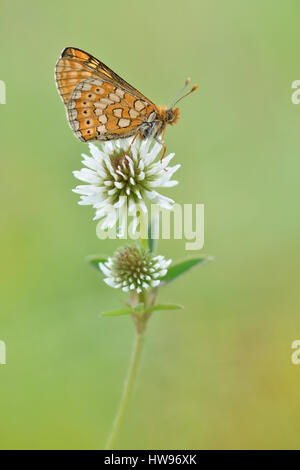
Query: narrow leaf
[116, 313]
[123, 311]
[94, 260]
[165, 307]
[181, 267]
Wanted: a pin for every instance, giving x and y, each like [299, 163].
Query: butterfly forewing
[68, 74]
[100, 104]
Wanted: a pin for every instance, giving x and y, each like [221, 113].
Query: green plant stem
[144, 243]
[128, 388]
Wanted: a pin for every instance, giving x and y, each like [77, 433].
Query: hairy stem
[128, 388]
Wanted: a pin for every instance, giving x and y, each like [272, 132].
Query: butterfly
[101, 105]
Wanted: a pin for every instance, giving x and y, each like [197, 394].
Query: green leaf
[140, 308]
[181, 267]
[94, 260]
[116, 313]
[123, 311]
[165, 307]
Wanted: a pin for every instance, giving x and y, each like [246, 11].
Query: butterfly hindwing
[100, 110]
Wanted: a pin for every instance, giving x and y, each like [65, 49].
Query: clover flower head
[134, 268]
[112, 173]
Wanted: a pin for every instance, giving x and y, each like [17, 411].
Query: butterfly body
[156, 124]
[100, 105]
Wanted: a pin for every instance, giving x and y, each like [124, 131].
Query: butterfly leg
[164, 148]
[164, 151]
[136, 135]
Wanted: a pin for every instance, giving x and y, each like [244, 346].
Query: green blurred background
[218, 374]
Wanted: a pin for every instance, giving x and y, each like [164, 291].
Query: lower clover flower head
[133, 268]
[111, 174]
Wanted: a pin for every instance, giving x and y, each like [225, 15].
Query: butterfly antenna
[177, 99]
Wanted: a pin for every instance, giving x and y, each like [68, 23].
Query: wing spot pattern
[102, 119]
[118, 112]
[120, 92]
[99, 90]
[76, 94]
[100, 105]
[72, 114]
[101, 129]
[139, 105]
[84, 86]
[124, 122]
[114, 97]
[133, 114]
[106, 101]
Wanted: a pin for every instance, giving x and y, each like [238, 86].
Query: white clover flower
[133, 268]
[110, 175]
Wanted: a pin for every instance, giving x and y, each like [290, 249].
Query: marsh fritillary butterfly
[102, 106]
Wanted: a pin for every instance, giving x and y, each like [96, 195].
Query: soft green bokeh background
[218, 374]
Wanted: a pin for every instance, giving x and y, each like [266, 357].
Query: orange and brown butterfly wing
[100, 104]
[99, 110]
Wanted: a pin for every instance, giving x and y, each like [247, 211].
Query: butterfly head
[172, 115]
[168, 115]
